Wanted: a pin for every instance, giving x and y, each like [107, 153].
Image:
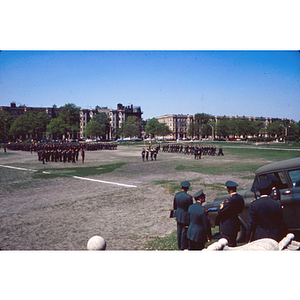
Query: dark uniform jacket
[228, 214]
[265, 219]
[182, 201]
[199, 226]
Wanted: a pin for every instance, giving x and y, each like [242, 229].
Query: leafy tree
[154, 127]
[151, 126]
[56, 128]
[98, 126]
[6, 120]
[69, 114]
[163, 129]
[20, 127]
[38, 123]
[293, 131]
[202, 118]
[275, 129]
[131, 127]
[223, 127]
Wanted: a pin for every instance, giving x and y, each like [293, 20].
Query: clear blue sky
[250, 83]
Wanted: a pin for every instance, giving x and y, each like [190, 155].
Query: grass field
[47, 207]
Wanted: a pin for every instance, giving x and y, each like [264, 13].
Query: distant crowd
[197, 150]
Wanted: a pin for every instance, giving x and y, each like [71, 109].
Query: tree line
[39, 125]
[202, 127]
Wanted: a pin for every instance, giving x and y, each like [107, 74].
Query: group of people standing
[149, 151]
[265, 216]
[196, 150]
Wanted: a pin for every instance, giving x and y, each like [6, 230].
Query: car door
[294, 214]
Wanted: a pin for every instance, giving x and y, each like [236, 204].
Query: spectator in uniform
[199, 231]
[228, 213]
[182, 202]
[265, 216]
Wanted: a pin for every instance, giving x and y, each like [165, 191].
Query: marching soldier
[228, 214]
[143, 154]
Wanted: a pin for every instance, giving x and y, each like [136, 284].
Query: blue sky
[250, 83]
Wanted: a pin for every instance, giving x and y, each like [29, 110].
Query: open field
[54, 207]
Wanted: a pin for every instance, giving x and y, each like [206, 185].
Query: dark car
[288, 173]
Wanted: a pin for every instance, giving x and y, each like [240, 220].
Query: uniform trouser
[182, 240]
[195, 246]
[231, 238]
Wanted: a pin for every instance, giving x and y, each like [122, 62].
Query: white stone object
[96, 243]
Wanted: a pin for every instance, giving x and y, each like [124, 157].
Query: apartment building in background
[116, 117]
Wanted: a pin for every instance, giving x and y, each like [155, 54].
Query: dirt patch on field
[62, 213]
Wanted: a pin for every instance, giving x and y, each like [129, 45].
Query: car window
[281, 184]
[295, 177]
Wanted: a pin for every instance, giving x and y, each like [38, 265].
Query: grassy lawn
[80, 171]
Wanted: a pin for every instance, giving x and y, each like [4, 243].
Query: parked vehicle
[288, 173]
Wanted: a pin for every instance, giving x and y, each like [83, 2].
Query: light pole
[212, 133]
[285, 129]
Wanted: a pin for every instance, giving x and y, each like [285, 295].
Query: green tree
[69, 114]
[163, 129]
[293, 132]
[20, 127]
[131, 127]
[153, 127]
[6, 120]
[275, 129]
[202, 118]
[56, 128]
[98, 126]
[223, 128]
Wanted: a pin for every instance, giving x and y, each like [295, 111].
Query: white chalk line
[76, 177]
[18, 168]
[102, 181]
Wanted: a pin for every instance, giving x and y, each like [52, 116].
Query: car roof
[284, 164]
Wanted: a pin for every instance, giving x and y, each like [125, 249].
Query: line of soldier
[152, 151]
[197, 150]
[63, 145]
[62, 155]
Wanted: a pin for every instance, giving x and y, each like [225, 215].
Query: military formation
[265, 217]
[61, 152]
[195, 150]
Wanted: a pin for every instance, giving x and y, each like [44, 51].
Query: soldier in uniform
[265, 217]
[182, 201]
[143, 154]
[199, 231]
[228, 214]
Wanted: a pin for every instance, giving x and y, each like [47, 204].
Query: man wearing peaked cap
[199, 231]
[185, 184]
[182, 201]
[228, 214]
[230, 183]
[265, 217]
